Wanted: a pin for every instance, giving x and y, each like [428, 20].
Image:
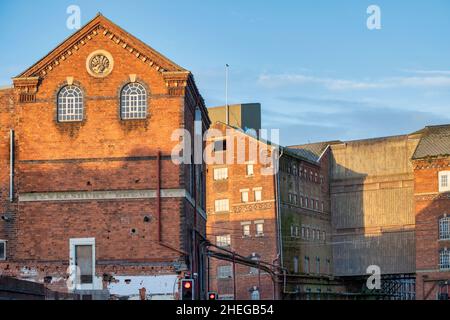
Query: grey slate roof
[312, 151]
[435, 141]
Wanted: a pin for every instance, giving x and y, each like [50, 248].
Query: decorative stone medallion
[99, 63]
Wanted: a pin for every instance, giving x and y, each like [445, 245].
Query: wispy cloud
[280, 80]
[429, 72]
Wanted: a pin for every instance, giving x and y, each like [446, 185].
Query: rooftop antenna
[226, 95]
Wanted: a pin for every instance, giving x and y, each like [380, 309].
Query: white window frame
[246, 230]
[244, 195]
[220, 174]
[4, 242]
[223, 240]
[225, 275]
[444, 228]
[444, 259]
[250, 170]
[133, 101]
[259, 233]
[96, 282]
[257, 193]
[442, 187]
[70, 104]
[222, 205]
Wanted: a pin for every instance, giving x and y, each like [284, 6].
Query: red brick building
[281, 220]
[86, 173]
[241, 207]
[431, 162]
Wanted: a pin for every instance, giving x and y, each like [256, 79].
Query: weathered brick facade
[230, 223]
[431, 206]
[98, 178]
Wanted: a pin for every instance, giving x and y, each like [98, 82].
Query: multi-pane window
[244, 195]
[2, 250]
[223, 240]
[222, 205]
[70, 104]
[444, 181]
[250, 168]
[444, 259]
[220, 173]
[258, 195]
[246, 230]
[224, 272]
[259, 229]
[444, 228]
[133, 101]
[303, 232]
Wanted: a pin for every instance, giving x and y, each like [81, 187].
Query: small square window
[220, 145]
[220, 174]
[223, 240]
[222, 205]
[224, 272]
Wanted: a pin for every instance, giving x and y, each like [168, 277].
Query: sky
[318, 71]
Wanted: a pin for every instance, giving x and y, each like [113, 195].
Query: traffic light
[187, 289]
[212, 296]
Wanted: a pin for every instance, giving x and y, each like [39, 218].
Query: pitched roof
[286, 150]
[435, 142]
[312, 151]
[101, 25]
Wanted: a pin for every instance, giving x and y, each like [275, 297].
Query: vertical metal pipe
[234, 276]
[158, 193]
[11, 165]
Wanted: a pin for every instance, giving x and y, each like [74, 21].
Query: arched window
[444, 228]
[70, 104]
[133, 101]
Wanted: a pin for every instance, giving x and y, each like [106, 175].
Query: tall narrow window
[133, 101]
[244, 195]
[2, 250]
[306, 265]
[246, 230]
[444, 181]
[250, 169]
[259, 229]
[444, 228]
[70, 104]
[258, 195]
[295, 264]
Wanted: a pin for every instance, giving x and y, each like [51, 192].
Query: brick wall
[430, 206]
[100, 153]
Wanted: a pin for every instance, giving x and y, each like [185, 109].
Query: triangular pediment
[101, 26]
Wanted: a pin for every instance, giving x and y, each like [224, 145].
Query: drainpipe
[11, 165]
[278, 213]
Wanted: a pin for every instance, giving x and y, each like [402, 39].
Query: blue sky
[317, 70]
